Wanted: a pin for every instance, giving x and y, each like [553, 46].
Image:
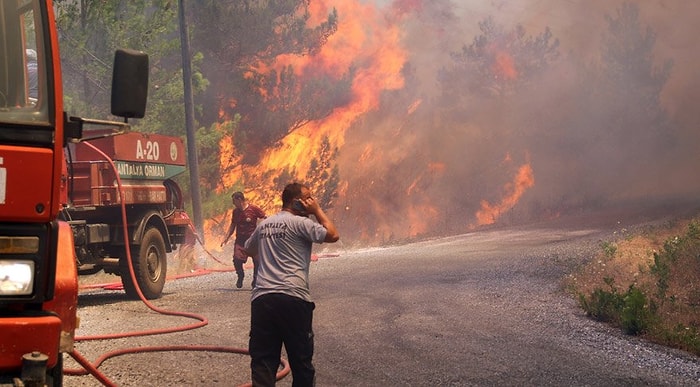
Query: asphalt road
[480, 309]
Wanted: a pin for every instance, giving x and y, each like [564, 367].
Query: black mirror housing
[129, 83]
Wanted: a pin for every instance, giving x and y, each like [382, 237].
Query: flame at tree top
[504, 66]
[365, 41]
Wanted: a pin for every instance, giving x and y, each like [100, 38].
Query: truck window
[23, 70]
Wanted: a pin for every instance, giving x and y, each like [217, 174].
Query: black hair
[291, 191]
[238, 195]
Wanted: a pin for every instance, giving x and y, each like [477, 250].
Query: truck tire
[150, 266]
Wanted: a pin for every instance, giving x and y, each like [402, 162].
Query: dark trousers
[240, 272]
[238, 265]
[239, 259]
[277, 319]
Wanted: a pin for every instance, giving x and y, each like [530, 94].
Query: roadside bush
[603, 305]
[629, 310]
[636, 315]
[683, 337]
[662, 300]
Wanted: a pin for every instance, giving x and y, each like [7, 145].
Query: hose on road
[90, 368]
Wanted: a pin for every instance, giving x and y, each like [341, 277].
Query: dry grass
[629, 264]
[670, 283]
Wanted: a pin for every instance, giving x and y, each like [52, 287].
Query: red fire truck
[121, 185]
[77, 195]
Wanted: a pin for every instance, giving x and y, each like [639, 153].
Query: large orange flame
[357, 44]
[367, 41]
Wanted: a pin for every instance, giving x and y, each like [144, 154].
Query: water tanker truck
[121, 184]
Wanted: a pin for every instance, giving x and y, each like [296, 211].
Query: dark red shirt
[245, 221]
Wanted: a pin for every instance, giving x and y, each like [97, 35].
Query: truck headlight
[16, 277]
[16, 272]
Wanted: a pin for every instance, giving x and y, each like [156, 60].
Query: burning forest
[458, 115]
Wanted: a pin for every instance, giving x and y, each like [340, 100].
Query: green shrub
[630, 310]
[662, 270]
[609, 249]
[604, 306]
[636, 314]
[680, 336]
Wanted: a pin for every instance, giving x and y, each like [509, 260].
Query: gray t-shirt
[283, 243]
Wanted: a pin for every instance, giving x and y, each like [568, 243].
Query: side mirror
[129, 83]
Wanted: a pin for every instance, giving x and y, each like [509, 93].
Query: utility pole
[192, 162]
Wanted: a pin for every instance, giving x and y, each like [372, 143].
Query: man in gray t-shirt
[281, 305]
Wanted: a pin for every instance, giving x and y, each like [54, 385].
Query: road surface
[480, 309]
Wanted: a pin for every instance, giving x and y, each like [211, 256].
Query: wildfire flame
[367, 41]
[504, 66]
[489, 213]
[370, 40]
[358, 45]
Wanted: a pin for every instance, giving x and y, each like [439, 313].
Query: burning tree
[490, 93]
[323, 174]
[302, 105]
[277, 103]
[499, 61]
[247, 39]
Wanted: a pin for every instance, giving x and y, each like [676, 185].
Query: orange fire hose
[202, 321]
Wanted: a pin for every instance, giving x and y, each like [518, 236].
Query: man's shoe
[239, 283]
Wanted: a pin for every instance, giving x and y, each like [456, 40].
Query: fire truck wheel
[150, 266]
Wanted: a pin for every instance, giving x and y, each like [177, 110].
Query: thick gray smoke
[594, 131]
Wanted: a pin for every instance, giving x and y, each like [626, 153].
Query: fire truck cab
[38, 265]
